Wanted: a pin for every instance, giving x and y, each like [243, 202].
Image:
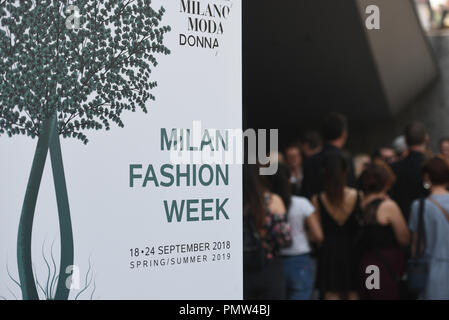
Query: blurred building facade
[303, 58]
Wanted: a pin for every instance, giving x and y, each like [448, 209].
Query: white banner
[143, 227]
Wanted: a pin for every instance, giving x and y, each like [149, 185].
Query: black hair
[312, 139]
[378, 152]
[292, 145]
[253, 195]
[335, 170]
[279, 183]
[444, 139]
[333, 126]
[376, 178]
[438, 170]
[415, 134]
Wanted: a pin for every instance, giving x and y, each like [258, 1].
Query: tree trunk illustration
[48, 140]
[99, 86]
[65, 224]
[24, 263]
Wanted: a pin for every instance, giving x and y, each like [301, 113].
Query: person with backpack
[265, 232]
[297, 263]
[431, 215]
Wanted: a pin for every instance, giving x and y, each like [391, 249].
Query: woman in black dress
[338, 208]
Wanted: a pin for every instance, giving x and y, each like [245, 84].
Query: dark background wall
[303, 58]
[431, 107]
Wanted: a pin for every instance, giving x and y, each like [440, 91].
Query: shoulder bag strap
[440, 207]
[420, 241]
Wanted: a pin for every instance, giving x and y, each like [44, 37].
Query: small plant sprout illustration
[85, 287]
[58, 81]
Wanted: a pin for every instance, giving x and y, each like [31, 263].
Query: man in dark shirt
[409, 182]
[311, 143]
[335, 133]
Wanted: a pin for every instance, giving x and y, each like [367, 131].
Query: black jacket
[409, 181]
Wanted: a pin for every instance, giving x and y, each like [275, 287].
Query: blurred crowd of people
[315, 229]
[433, 13]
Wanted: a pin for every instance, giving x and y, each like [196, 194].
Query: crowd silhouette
[335, 227]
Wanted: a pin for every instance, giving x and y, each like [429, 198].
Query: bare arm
[394, 216]
[276, 205]
[314, 226]
[314, 223]
[280, 227]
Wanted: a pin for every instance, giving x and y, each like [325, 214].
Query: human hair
[279, 183]
[253, 196]
[415, 134]
[312, 139]
[378, 153]
[442, 140]
[292, 145]
[334, 126]
[438, 170]
[335, 170]
[377, 177]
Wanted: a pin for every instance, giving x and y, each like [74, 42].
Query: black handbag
[418, 265]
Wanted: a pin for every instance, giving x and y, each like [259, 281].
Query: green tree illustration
[65, 70]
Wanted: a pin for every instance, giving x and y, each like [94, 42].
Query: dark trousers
[267, 283]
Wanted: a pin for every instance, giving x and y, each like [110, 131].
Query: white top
[299, 211]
